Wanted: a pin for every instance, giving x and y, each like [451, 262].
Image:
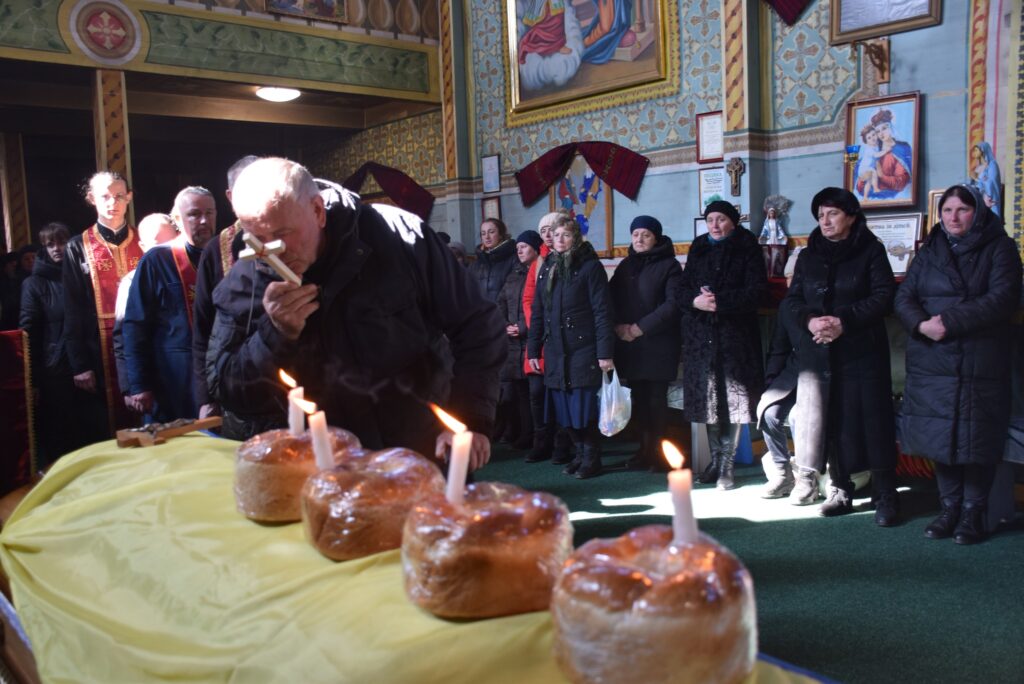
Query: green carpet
[840, 597]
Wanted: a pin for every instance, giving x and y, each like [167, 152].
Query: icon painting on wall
[566, 51]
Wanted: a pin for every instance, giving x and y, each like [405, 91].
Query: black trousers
[967, 484]
[650, 414]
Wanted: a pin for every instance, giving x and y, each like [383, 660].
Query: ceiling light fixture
[277, 94]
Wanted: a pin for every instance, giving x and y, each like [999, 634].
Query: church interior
[692, 101]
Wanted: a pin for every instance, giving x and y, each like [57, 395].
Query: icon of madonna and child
[556, 37]
[884, 169]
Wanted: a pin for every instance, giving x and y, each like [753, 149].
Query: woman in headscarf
[723, 283]
[645, 295]
[957, 302]
[571, 320]
[841, 291]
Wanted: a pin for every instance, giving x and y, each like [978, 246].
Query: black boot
[563, 452]
[887, 508]
[591, 465]
[641, 459]
[725, 473]
[576, 461]
[971, 528]
[543, 441]
[710, 474]
[944, 525]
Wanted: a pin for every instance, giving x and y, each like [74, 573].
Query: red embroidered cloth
[406, 193]
[621, 168]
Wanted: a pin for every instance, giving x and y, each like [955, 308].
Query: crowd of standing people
[157, 323]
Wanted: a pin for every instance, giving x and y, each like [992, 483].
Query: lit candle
[296, 416]
[680, 482]
[458, 462]
[322, 451]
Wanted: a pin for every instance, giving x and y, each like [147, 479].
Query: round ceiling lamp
[277, 94]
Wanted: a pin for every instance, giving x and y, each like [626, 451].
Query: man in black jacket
[385, 320]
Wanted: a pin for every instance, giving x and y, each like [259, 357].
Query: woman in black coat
[723, 284]
[957, 302]
[42, 318]
[841, 291]
[514, 404]
[571, 321]
[495, 257]
[645, 297]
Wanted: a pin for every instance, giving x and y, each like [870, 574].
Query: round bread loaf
[359, 507]
[637, 609]
[499, 553]
[271, 468]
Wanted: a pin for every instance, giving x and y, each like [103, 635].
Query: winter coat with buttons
[722, 363]
[572, 323]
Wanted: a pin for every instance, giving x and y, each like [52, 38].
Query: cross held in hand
[269, 253]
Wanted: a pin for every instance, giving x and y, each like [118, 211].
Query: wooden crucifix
[269, 253]
[158, 433]
[735, 169]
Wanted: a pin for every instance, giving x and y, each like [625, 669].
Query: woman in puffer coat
[957, 302]
[842, 290]
[723, 283]
[571, 320]
[495, 257]
[645, 297]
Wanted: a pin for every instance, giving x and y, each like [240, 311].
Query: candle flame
[672, 454]
[308, 406]
[287, 379]
[447, 419]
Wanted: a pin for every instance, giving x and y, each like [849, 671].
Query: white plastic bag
[616, 405]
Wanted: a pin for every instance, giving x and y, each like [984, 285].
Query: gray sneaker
[805, 491]
[839, 503]
[779, 486]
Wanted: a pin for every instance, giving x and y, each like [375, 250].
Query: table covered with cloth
[132, 565]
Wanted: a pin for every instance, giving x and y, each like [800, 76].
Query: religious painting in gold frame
[566, 57]
[589, 199]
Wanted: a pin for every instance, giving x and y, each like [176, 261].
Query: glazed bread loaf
[359, 507]
[271, 468]
[499, 553]
[636, 609]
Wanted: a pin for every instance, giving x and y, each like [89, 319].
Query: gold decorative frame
[599, 91]
[929, 15]
[905, 109]
[933, 210]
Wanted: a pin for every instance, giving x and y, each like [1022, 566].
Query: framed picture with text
[710, 140]
[900, 235]
[711, 186]
[491, 169]
[490, 207]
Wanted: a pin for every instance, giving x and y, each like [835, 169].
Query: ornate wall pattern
[811, 80]
[32, 25]
[1017, 197]
[643, 126]
[182, 41]
[413, 145]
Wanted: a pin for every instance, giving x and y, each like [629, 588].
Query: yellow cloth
[132, 565]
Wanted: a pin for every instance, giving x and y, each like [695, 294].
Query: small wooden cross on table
[158, 433]
[269, 253]
[735, 169]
